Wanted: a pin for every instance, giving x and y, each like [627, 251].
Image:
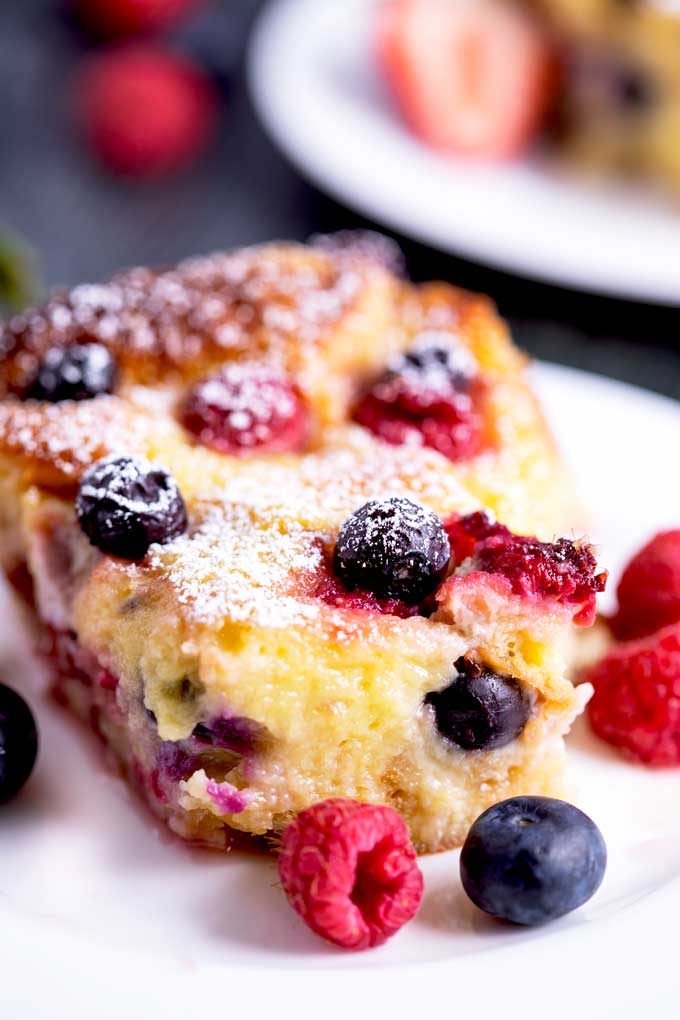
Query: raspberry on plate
[112, 18]
[143, 110]
[350, 871]
[649, 590]
[636, 704]
[473, 78]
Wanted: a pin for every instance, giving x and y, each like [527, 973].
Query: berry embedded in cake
[430, 395]
[255, 598]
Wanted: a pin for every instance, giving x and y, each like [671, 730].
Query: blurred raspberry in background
[147, 94]
[110, 19]
[143, 109]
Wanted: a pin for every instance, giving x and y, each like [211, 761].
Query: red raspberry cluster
[562, 570]
[649, 589]
[636, 704]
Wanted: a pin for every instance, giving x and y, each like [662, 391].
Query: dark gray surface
[84, 224]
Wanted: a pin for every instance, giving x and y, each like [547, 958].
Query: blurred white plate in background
[317, 88]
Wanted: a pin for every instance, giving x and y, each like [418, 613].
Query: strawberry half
[470, 76]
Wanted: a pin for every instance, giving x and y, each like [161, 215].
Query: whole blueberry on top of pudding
[125, 504]
[77, 372]
[394, 548]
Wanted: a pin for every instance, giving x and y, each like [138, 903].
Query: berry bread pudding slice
[256, 596]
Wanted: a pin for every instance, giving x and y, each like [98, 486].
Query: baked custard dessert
[258, 498]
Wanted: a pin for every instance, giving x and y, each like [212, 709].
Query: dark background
[84, 223]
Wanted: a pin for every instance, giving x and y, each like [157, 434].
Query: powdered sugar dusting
[68, 437]
[435, 361]
[323, 488]
[256, 549]
[236, 565]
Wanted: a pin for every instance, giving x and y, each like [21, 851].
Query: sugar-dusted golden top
[275, 301]
[330, 316]
[260, 533]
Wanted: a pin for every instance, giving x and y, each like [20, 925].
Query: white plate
[103, 915]
[315, 83]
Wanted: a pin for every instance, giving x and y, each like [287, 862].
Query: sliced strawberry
[470, 76]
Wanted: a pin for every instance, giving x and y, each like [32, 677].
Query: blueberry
[124, 504]
[18, 742]
[480, 709]
[78, 372]
[435, 354]
[531, 859]
[393, 548]
[233, 733]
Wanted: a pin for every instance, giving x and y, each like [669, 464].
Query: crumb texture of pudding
[257, 601]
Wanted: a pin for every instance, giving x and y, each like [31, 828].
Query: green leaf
[20, 283]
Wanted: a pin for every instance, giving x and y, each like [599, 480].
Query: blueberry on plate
[532, 859]
[393, 548]
[125, 504]
[18, 742]
[480, 709]
[78, 372]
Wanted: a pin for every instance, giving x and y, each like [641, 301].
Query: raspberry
[112, 18]
[649, 590]
[466, 532]
[333, 593]
[145, 111]
[429, 396]
[563, 570]
[455, 434]
[246, 408]
[636, 704]
[350, 871]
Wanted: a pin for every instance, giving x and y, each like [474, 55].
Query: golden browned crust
[277, 302]
[330, 316]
